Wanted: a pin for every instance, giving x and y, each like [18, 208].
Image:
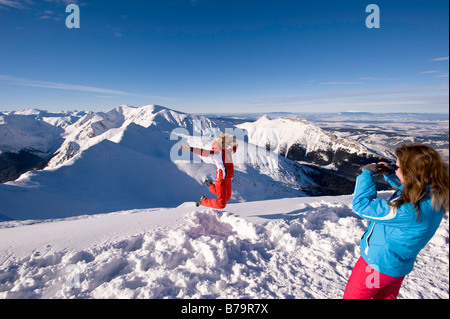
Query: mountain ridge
[108, 159]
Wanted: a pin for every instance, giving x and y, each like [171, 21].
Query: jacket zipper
[366, 251]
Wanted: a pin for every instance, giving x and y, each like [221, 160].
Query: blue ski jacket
[394, 236]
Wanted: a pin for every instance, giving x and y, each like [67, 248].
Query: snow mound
[305, 250]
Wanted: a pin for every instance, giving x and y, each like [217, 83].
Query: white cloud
[11, 4]
[441, 59]
[349, 95]
[71, 87]
[340, 83]
[377, 79]
[61, 86]
[65, 2]
[31, 4]
[371, 79]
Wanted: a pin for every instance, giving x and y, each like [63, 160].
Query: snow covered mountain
[38, 132]
[29, 138]
[300, 140]
[94, 128]
[122, 160]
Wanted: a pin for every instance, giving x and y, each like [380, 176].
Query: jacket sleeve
[393, 180]
[368, 206]
[201, 152]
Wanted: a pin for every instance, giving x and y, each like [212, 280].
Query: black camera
[380, 169]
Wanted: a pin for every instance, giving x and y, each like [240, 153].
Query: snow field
[305, 249]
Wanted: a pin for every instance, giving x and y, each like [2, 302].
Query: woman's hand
[385, 168]
[380, 168]
[185, 147]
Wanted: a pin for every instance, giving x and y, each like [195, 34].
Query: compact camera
[380, 169]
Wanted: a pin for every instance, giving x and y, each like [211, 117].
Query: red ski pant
[367, 283]
[222, 189]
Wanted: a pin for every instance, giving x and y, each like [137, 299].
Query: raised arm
[368, 206]
[198, 151]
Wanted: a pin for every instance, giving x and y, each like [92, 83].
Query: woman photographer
[399, 228]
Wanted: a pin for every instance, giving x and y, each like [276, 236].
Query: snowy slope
[111, 162]
[286, 248]
[19, 132]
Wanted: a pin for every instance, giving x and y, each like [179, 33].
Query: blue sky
[225, 56]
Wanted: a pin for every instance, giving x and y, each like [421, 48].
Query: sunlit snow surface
[287, 248]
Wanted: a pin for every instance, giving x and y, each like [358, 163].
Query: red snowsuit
[223, 159]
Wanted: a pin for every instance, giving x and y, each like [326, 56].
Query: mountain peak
[265, 117]
[154, 108]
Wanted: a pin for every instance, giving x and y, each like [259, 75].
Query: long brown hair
[421, 167]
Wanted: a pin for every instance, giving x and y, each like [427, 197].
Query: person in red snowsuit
[222, 154]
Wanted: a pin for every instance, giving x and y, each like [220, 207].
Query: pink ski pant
[367, 283]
